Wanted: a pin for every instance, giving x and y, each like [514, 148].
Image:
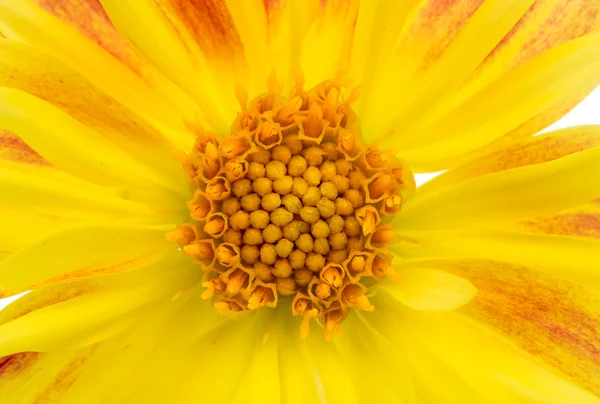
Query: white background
[586, 113]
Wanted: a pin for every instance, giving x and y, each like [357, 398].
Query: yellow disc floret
[290, 203]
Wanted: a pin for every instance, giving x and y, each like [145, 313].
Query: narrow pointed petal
[328, 40]
[566, 257]
[44, 77]
[105, 371]
[439, 47]
[20, 229]
[82, 251]
[68, 144]
[521, 193]
[335, 378]
[388, 378]
[297, 369]
[533, 150]
[92, 317]
[46, 190]
[533, 86]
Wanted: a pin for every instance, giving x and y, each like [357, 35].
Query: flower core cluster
[291, 204]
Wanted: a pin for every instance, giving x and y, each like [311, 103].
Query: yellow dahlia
[213, 201]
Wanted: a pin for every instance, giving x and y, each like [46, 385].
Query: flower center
[292, 205]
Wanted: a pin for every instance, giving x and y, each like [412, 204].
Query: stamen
[292, 206]
[235, 147]
[353, 296]
[183, 235]
[202, 250]
[262, 296]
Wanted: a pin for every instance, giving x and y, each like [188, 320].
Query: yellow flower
[212, 201]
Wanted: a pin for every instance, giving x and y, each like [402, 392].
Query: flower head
[214, 201]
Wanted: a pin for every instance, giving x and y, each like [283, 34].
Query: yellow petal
[430, 289]
[97, 52]
[199, 61]
[296, 365]
[49, 191]
[544, 26]
[37, 73]
[146, 378]
[83, 251]
[30, 376]
[379, 371]
[334, 377]
[252, 24]
[532, 126]
[488, 363]
[433, 381]
[105, 371]
[510, 101]
[92, 317]
[12, 148]
[326, 48]
[557, 320]
[566, 257]
[66, 143]
[219, 359]
[23, 228]
[532, 150]
[260, 384]
[511, 195]
[378, 27]
[439, 47]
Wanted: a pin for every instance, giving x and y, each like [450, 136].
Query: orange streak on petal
[12, 148]
[66, 377]
[89, 18]
[581, 221]
[548, 23]
[434, 26]
[534, 125]
[12, 365]
[537, 150]
[210, 25]
[554, 320]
